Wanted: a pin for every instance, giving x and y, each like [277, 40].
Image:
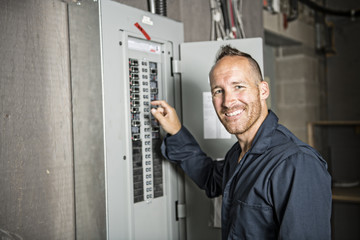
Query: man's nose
[229, 99]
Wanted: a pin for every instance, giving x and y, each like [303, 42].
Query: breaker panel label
[144, 46]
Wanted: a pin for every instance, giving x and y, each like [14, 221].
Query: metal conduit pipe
[160, 7]
[151, 6]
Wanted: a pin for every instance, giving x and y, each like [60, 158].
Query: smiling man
[273, 185]
[239, 95]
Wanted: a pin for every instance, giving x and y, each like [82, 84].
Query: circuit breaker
[144, 87]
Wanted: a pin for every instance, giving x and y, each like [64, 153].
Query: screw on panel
[124, 157]
[120, 43]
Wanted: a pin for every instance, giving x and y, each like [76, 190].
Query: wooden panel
[36, 163]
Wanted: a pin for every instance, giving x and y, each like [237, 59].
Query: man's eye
[239, 86]
[217, 92]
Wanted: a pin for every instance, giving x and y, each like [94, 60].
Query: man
[273, 185]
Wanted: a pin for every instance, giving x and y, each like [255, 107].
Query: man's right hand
[167, 117]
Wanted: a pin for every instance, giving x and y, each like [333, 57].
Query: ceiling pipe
[151, 6]
[160, 7]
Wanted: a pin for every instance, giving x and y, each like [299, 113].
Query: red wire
[232, 17]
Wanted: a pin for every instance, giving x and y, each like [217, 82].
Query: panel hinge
[180, 210]
[175, 66]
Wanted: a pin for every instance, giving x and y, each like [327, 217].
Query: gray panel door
[197, 58]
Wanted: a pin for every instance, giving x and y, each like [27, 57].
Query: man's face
[236, 94]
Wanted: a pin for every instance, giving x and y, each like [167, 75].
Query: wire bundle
[226, 19]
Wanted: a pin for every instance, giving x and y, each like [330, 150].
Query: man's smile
[234, 113]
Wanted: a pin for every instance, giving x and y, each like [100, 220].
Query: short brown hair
[227, 50]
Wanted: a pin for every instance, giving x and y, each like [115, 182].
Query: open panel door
[200, 118]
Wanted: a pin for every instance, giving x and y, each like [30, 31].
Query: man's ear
[264, 90]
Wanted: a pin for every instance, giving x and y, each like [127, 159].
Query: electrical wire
[224, 8]
[217, 24]
[226, 19]
[294, 12]
[231, 15]
[238, 12]
[212, 12]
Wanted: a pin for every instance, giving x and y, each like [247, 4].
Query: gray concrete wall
[298, 81]
[36, 154]
[298, 89]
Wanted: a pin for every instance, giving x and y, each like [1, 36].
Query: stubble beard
[241, 126]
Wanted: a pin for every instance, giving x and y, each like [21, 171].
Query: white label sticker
[213, 128]
[147, 20]
[144, 46]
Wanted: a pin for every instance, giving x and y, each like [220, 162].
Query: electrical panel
[142, 189]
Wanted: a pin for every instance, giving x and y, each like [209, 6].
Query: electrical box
[143, 58]
[137, 48]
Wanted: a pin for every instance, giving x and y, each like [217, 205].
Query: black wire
[294, 12]
[225, 15]
[341, 13]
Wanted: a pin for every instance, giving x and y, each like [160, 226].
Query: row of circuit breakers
[145, 131]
